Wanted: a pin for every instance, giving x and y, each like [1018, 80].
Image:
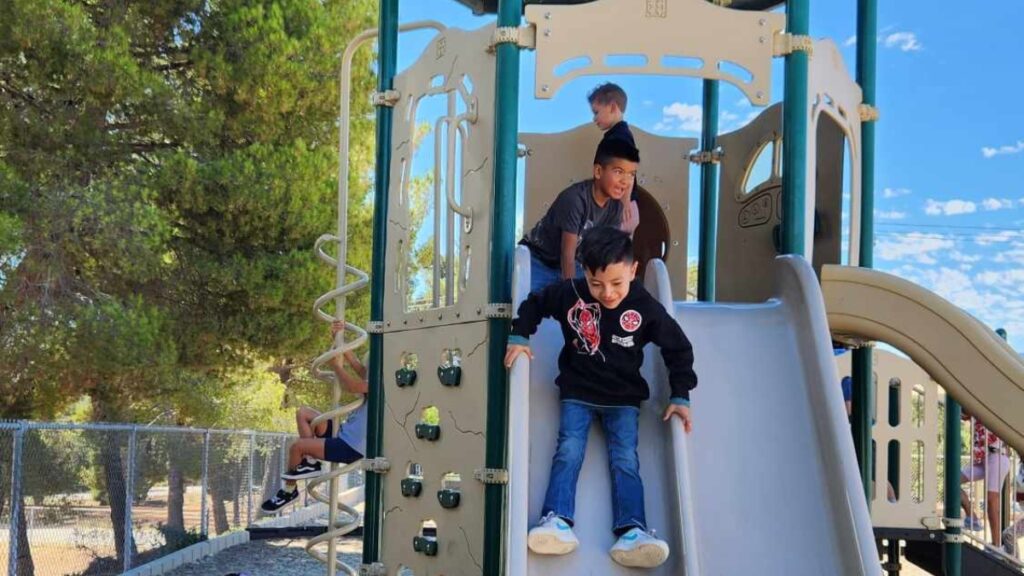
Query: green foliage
[165, 168]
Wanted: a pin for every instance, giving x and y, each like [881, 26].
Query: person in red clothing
[989, 463]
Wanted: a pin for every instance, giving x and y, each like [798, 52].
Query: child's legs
[303, 422]
[565, 466]
[621, 425]
[997, 467]
[313, 447]
[542, 275]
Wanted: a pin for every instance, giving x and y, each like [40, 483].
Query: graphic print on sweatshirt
[585, 320]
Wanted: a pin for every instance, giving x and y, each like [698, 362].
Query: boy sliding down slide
[606, 321]
[319, 442]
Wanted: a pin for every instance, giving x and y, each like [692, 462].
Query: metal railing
[98, 499]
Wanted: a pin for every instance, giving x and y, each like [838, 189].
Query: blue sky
[949, 198]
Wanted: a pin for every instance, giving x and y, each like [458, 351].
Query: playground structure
[455, 496]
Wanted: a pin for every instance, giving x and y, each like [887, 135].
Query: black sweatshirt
[604, 349]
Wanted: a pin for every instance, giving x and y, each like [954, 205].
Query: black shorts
[336, 449]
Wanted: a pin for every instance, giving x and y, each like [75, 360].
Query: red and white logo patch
[630, 320]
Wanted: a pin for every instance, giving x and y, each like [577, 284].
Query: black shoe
[280, 500]
[304, 470]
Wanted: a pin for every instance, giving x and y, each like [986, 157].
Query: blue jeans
[542, 275]
[620, 430]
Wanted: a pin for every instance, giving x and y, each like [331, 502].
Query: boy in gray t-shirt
[581, 206]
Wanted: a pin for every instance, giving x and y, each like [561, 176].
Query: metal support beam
[708, 241]
[952, 553]
[129, 490]
[863, 382]
[13, 533]
[506, 133]
[387, 57]
[795, 120]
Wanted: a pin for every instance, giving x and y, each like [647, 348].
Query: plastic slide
[973, 364]
[765, 484]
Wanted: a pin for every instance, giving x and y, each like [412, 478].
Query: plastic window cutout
[847, 203]
[423, 235]
[400, 265]
[571, 65]
[762, 169]
[893, 454]
[731, 68]
[917, 406]
[671, 61]
[404, 570]
[430, 415]
[895, 410]
[466, 266]
[467, 83]
[415, 470]
[409, 360]
[428, 528]
[917, 472]
[451, 357]
[451, 481]
[437, 81]
[402, 192]
[625, 60]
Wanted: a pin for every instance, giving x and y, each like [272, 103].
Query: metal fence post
[248, 483]
[203, 506]
[12, 544]
[129, 499]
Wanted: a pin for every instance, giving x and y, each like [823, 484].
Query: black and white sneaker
[280, 500]
[304, 470]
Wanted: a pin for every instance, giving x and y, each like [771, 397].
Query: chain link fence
[99, 499]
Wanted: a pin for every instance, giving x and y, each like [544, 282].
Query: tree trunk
[114, 479]
[175, 499]
[220, 516]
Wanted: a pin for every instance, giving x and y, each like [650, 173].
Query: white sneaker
[639, 549]
[552, 536]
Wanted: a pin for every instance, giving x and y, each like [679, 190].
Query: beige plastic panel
[651, 30]
[916, 388]
[453, 54]
[833, 92]
[460, 449]
[746, 221]
[555, 161]
[746, 250]
[971, 363]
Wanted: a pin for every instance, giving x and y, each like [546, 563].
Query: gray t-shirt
[573, 211]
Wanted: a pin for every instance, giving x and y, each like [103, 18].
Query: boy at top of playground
[318, 442]
[606, 320]
[608, 104]
[583, 205]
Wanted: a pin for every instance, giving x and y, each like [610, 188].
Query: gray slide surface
[765, 484]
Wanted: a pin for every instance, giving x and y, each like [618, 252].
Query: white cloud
[912, 246]
[743, 103]
[1014, 255]
[687, 117]
[905, 41]
[648, 103]
[891, 215]
[1013, 277]
[958, 256]
[1017, 148]
[850, 41]
[662, 126]
[989, 238]
[992, 204]
[895, 192]
[949, 208]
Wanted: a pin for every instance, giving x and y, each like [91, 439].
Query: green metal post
[506, 136]
[951, 557]
[863, 382]
[387, 58]
[795, 120]
[706, 265]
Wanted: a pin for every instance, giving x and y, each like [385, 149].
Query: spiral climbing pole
[342, 518]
